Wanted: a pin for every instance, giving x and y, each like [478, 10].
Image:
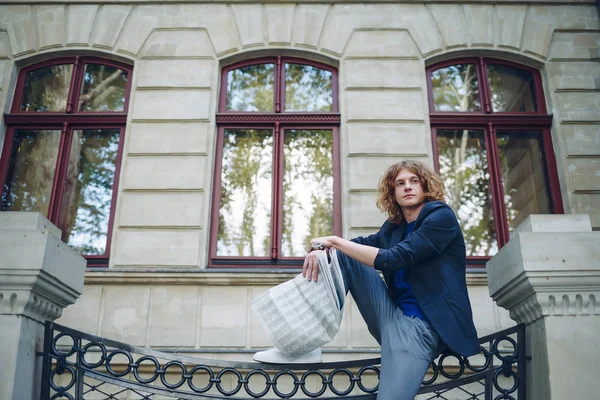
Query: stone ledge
[222, 277]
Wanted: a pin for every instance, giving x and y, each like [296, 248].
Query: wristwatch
[317, 246]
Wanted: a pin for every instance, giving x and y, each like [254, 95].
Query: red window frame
[67, 122]
[278, 121]
[490, 122]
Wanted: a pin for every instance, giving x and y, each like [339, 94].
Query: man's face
[409, 189]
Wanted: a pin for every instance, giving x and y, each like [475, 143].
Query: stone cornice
[238, 277]
[507, 2]
[532, 296]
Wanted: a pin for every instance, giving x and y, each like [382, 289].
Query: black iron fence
[80, 366]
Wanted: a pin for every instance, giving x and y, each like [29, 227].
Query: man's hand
[310, 269]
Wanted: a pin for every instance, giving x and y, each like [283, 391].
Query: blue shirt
[405, 298]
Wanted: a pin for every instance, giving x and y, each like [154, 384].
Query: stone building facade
[160, 288]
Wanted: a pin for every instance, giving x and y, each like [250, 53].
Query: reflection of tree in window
[307, 88]
[245, 193]
[307, 188]
[31, 170]
[511, 89]
[456, 88]
[251, 88]
[463, 167]
[88, 191]
[47, 89]
[103, 88]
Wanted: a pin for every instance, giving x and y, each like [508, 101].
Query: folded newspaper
[301, 315]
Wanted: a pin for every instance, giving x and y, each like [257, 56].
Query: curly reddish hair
[433, 187]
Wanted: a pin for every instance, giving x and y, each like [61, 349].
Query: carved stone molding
[39, 274]
[548, 269]
[555, 304]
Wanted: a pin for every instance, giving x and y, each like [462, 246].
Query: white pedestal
[39, 276]
[548, 276]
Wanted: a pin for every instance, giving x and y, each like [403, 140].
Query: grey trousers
[408, 344]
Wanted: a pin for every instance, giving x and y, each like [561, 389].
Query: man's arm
[432, 237]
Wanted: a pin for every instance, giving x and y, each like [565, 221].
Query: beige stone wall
[382, 50]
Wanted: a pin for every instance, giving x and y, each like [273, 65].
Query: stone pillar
[548, 277]
[39, 276]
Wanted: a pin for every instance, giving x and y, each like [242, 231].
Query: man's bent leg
[369, 293]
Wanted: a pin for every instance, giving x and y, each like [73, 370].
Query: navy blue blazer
[434, 256]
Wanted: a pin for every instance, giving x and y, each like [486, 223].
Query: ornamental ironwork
[77, 365]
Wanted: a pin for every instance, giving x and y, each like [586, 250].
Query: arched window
[62, 148]
[277, 162]
[492, 147]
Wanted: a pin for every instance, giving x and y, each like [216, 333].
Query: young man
[421, 251]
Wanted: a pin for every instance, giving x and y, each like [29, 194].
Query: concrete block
[361, 337]
[385, 105]
[109, 23]
[249, 19]
[80, 20]
[392, 138]
[172, 320]
[555, 223]
[172, 104]
[481, 24]
[125, 316]
[84, 315]
[224, 316]
[576, 17]
[379, 44]
[449, 19]
[509, 25]
[213, 18]
[3, 68]
[308, 22]
[385, 74]
[579, 106]
[178, 43]
[20, 26]
[171, 248]
[171, 137]
[4, 45]
[175, 73]
[585, 173]
[575, 45]
[258, 336]
[50, 26]
[219, 23]
[279, 22]
[588, 203]
[343, 19]
[172, 172]
[161, 209]
[575, 75]
[582, 140]
[363, 211]
[537, 36]
[366, 171]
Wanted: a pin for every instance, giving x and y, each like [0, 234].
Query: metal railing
[77, 365]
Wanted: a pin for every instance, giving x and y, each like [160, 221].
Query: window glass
[103, 88]
[246, 186]
[31, 169]
[463, 165]
[307, 189]
[523, 175]
[308, 88]
[251, 88]
[47, 89]
[87, 197]
[456, 88]
[511, 89]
